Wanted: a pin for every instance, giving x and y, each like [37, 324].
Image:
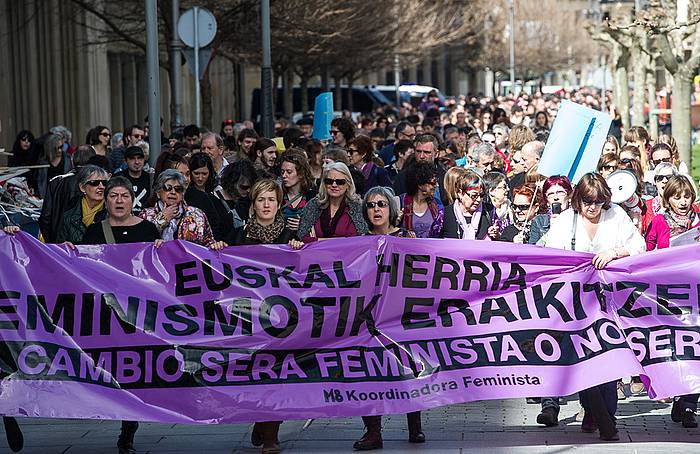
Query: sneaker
[637, 388]
[549, 416]
[688, 419]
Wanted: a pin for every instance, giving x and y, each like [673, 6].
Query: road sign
[204, 27]
[204, 57]
[197, 29]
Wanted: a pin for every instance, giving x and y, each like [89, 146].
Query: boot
[255, 436]
[269, 432]
[549, 416]
[415, 431]
[588, 425]
[126, 437]
[372, 439]
[676, 410]
[688, 419]
[15, 439]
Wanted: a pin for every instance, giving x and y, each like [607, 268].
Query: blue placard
[323, 114]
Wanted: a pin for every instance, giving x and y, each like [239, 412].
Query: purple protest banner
[348, 327]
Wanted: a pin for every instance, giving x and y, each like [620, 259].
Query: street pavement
[502, 426]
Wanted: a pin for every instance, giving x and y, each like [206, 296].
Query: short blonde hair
[261, 187]
[450, 180]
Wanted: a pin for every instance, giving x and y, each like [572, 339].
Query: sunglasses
[475, 197]
[609, 168]
[597, 203]
[379, 203]
[334, 132]
[96, 183]
[244, 187]
[520, 207]
[105, 134]
[662, 178]
[626, 161]
[659, 161]
[179, 189]
[337, 181]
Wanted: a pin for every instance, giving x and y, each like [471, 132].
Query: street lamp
[511, 14]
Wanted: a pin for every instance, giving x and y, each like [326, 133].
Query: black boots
[549, 416]
[126, 437]
[15, 439]
[415, 431]
[372, 439]
[685, 416]
[266, 434]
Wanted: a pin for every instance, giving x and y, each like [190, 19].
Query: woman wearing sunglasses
[594, 224]
[662, 174]
[524, 207]
[99, 137]
[337, 210]
[85, 209]
[470, 217]
[381, 211]
[607, 164]
[175, 219]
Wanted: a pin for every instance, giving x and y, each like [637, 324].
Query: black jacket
[238, 237]
[71, 227]
[219, 219]
[452, 229]
[400, 182]
[61, 192]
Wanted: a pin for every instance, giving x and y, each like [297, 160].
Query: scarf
[265, 234]
[367, 169]
[679, 223]
[89, 213]
[656, 207]
[471, 227]
[329, 225]
[170, 231]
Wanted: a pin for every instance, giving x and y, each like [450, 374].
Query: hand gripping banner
[349, 327]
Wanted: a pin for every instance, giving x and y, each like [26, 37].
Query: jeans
[608, 392]
[550, 402]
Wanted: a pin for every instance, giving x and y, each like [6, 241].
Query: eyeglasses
[137, 136]
[96, 183]
[178, 189]
[556, 193]
[105, 134]
[520, 207]
[609, 168]
[659, 161]
[408, 136]
[589, 203]
[352, 150]
[379, 203]
[334, 132]
[475, 197]
[662, 178]
[336, 181]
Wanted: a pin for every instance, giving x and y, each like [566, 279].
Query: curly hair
[297, 157]
[420, 173]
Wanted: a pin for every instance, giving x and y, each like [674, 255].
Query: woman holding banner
[337, 210]
[594, 224]
[680, 215]
[87, 208]
[381, 212]
[122, 227]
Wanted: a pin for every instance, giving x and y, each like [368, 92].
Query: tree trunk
[639, 74]
[205, 91]
[338, 96]
[304, 87]
[651, 100]
[622, 91]
[288, 84]
[680, 113]
[351, 81]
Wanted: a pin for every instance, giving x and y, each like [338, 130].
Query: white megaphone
[623, 185]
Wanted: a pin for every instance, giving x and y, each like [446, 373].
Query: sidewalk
[481, 427]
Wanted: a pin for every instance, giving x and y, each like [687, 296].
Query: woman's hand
[169, 212]
[519, 238]
[601, 260]
[218, 245]
[494, 232]
[296, 244]
[70, 245]
[11, 229]
[158, 243]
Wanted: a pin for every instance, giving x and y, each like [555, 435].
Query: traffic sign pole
[153, 79]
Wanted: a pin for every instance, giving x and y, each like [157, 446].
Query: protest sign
[348, 327]
[323, 115]
[575, 142]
